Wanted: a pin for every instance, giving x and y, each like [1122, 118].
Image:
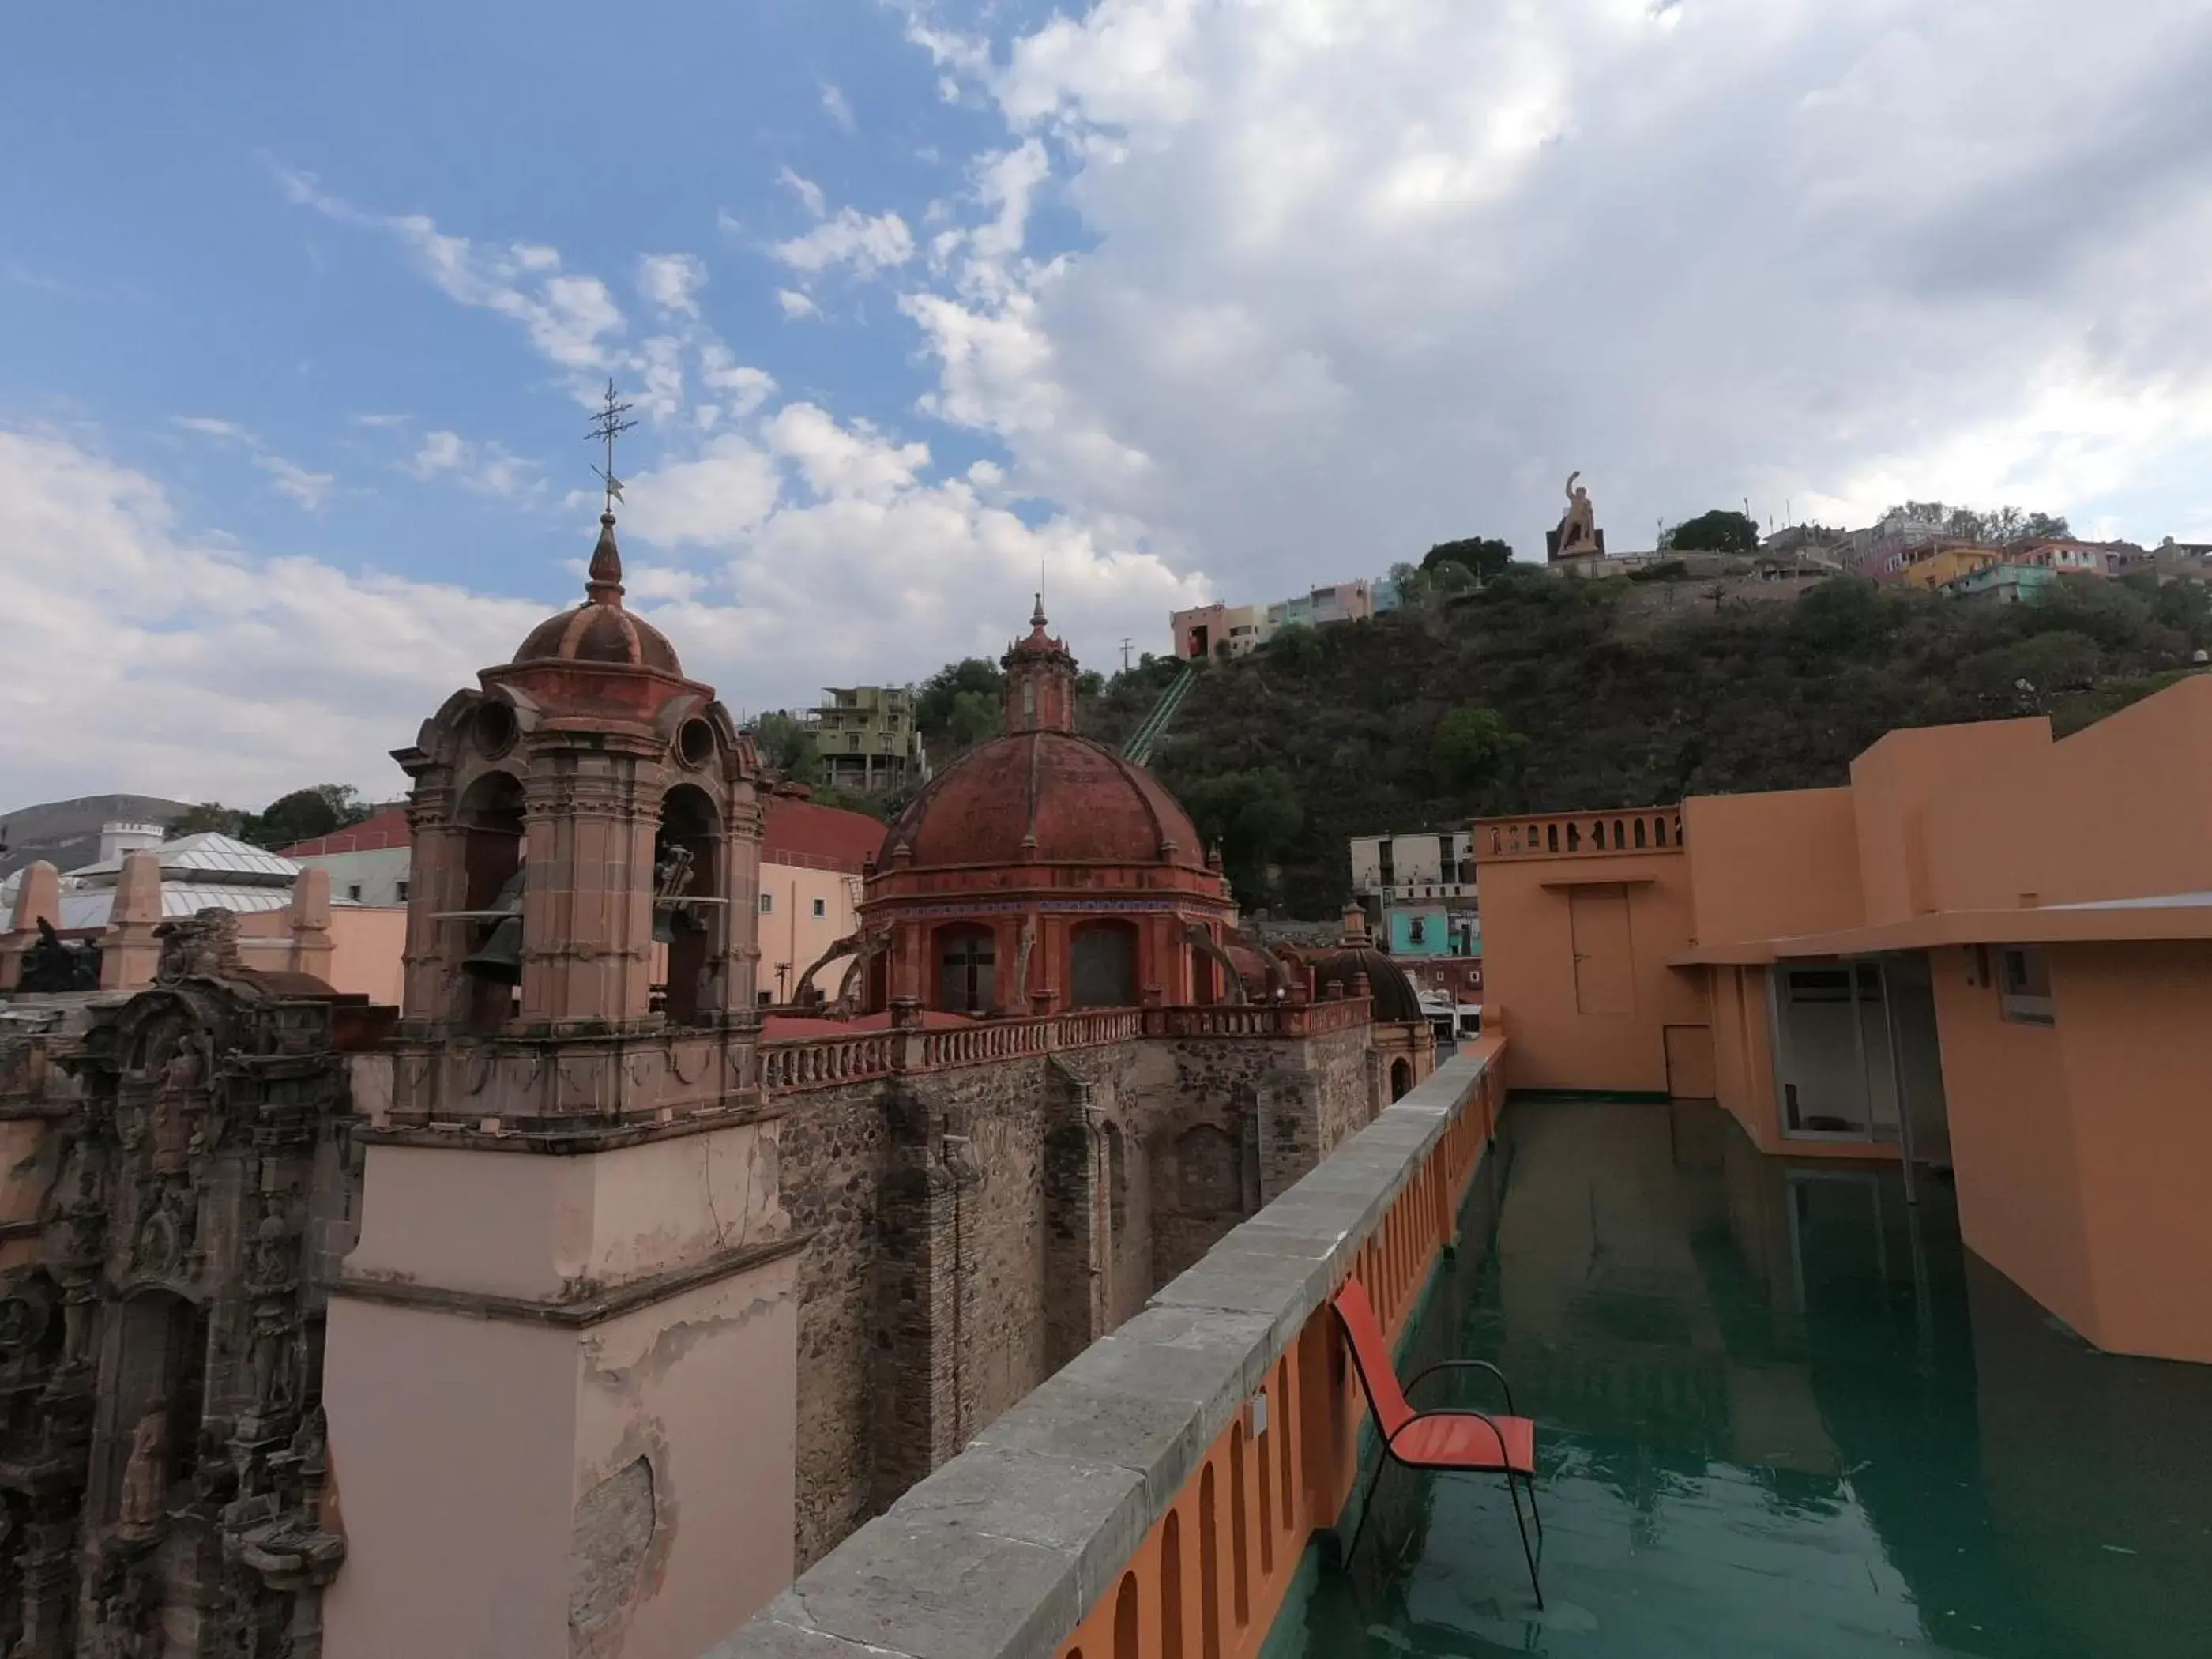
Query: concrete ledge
[1002, 1552]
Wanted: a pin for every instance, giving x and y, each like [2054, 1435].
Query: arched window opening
[1574, 839]
[1620, 840]
[1551, 837]
[1659, 832]
[1102, 967]
[1126, 1642]
[1209, 1569]
[1268, 1487]
[967, 966]
[686, 869]
[1171, 1587]
[1239, 1562]
[489, 815]
[1401, 1079]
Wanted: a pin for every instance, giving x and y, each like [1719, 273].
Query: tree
[933, 706]
[1253, 816]
[1721, 530]
[304, 814]
[975, 716]
[210, 815]
[1473, 744]
[1483, 555]
[787, 747]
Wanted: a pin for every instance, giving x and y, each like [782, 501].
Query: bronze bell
[500, 958]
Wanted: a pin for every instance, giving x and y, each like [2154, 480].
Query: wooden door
[1605, 961]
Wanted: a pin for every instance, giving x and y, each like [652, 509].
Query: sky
[303, 311]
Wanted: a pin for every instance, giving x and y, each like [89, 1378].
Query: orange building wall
[1891, 784]
[2013, 1143]
[2135, 1027]
[1766, 866]
[1743, 1052]
[1529, 971]
[2119, 809]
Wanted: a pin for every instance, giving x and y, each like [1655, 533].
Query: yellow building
[1933, 563]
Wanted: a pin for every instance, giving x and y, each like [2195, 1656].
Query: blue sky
[922, 301]
[158, 268]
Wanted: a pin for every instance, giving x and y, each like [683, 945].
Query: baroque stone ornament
[160, 1463]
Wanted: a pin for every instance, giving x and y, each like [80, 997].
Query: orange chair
[1459, 1441]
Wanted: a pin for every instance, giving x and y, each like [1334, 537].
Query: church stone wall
[973, 1228]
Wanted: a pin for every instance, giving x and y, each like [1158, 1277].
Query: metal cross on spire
[606, 426]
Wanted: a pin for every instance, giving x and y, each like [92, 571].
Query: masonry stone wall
[974, 1228]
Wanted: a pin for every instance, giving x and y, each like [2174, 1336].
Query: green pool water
[1781, 1412]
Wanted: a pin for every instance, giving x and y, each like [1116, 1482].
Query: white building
[367, 861]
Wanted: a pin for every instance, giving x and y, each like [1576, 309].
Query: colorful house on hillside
[1989, 954]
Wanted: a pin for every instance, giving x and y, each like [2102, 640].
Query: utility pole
[1125, 644]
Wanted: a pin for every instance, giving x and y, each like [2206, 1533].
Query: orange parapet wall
[1581, 912]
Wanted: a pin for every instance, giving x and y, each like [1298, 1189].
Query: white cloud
[671, 281]
[840, 108]
[850, 237]
[203, 672]
[1354, 278]
[488, 468]
[571, 319]
[807, 190]
[308, 490]
[796, 305]
[747, 388]
[303, 487]
[841, 461]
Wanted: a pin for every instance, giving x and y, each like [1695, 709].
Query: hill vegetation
[1536, 693]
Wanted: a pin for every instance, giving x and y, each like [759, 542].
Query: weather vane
[607, 425]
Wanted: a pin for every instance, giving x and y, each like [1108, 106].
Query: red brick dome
[599, 630]
[599, 633]
[1044, 797]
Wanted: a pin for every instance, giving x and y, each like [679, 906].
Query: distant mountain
[66, 833]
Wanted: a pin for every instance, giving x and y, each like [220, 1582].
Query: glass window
[821, 907]
[1104, 965]
[401, 889]
[1417, 930]
[2024, 986]
[967, 964]
[768, 902]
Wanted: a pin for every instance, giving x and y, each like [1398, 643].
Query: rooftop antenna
[606, 426]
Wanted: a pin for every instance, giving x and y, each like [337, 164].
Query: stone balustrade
[1559, 834]
[822, 1062]
[1156, 1494]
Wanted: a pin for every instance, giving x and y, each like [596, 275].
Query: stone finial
[1355, 926]
[604, 583]
[313, 947]
[38, 898]
[130, 953]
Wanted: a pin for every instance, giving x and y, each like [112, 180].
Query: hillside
[66, 833]
[1539, 693]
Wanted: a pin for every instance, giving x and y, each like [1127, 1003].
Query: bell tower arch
[575, 1279]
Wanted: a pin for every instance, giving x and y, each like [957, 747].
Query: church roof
[1044, 797]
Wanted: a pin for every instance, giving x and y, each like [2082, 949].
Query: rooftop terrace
[1781, 1413]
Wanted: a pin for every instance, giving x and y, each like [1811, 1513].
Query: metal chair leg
[1365, 1502]
[1538, 1513]
[1513, 1491]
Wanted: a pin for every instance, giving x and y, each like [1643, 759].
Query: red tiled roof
[1045, 796]
[819, 837]
[387, 828]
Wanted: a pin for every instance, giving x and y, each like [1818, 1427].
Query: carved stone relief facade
[163, 1486]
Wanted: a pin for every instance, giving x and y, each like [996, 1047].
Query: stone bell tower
[562, 1359]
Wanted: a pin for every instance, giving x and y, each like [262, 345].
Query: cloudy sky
[301, 309]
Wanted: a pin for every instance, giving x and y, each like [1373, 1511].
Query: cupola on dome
[600, 631]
